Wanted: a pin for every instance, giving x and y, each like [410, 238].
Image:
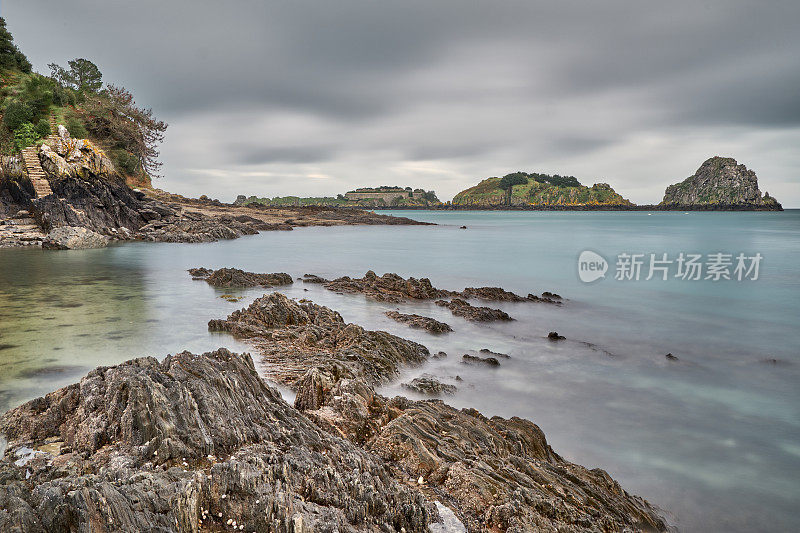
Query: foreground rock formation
[719, 182]
[197, 442]
[201, 443]
[496, 474]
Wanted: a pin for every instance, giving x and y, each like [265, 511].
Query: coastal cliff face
[488, 194]
[720, 181]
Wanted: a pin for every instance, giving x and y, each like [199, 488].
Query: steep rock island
[720, 182]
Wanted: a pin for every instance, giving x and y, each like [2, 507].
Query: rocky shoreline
[203, 443]
[91, 204]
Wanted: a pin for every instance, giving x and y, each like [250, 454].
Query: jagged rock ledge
[394, 288]
[200, 442]
[234, 277]
[495, 473]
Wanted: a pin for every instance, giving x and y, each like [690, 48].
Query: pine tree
[10, 55]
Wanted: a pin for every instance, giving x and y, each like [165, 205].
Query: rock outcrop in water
[496, 474]
[420, 322]
[233, 277]
[394, 288]
[719, 182]
[473, 313]
[388, 288]
[297, 336]
[195, 443]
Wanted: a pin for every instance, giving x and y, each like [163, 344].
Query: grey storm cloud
[318, 97]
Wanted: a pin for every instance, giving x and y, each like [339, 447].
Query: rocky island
[719, 183]
[535, 190]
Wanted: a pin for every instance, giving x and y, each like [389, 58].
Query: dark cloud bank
[273, 98]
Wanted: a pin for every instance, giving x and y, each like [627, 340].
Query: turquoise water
[714, 437]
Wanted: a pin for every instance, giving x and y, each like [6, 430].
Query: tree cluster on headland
[75, 96]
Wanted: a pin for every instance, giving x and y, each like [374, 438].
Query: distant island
[522, 189]
[720, 184]
[369, 197]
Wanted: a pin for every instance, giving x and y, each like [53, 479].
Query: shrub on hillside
[16, 115]
[76, 128]
[42, 128]
[24, 136]
[125, 162]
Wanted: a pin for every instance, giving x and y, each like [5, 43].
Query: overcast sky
[315, 98]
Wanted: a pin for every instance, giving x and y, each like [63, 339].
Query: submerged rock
[196, 442]
[474, 360]
[468, 311]
[313, 278]
[72, 238]
[427, 384]
[487, 351]
[420, 322]
[233, 277]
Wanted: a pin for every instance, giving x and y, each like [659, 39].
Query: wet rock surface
[196, 442]
[420, 322]
[491, 293]
[427, 384]
[303, 341]
[495, 474]
[388, 288]
[394, 288]
[200, 441]
[468, 311]
[475, 360]
[234, 277]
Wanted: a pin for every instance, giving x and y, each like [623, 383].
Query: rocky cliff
[538, 193]
[720, 181]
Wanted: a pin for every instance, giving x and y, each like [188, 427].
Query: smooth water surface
[713, 437]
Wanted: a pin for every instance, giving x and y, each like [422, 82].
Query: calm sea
[713, 436]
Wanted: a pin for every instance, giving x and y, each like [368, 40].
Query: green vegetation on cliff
[75, 97]
[534, 189]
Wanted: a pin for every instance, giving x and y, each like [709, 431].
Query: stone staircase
[30, 157]
[20, 230]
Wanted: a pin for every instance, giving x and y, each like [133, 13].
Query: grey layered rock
[73, 238]
[196, 442]
[496, 474]
[430, 325]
